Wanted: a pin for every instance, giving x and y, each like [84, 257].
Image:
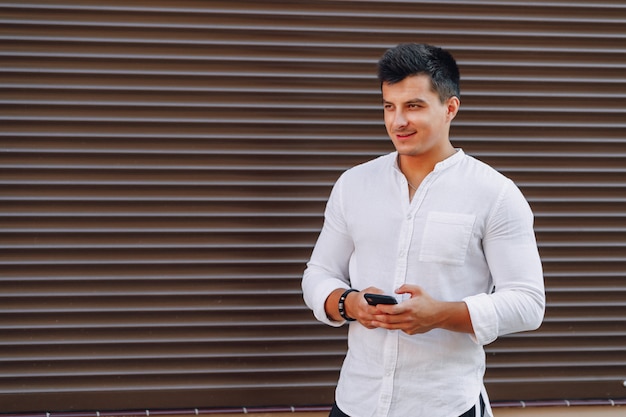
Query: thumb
[373, 290]
[414, 290]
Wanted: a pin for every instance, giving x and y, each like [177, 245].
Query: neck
[416, 167]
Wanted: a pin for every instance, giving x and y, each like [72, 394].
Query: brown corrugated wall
[165, 164]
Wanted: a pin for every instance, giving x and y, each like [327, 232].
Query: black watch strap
[342, 304]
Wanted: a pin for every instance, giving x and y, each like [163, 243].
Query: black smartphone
[373, 299]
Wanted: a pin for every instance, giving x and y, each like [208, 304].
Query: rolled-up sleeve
[518, 302]
[328, 268]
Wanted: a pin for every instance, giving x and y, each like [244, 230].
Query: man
[448, 235]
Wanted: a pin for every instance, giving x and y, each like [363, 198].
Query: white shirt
[467, 230]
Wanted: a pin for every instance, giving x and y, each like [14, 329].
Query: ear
[452, 105]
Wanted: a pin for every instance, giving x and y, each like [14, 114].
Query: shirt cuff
[484, 318]
[321, 294]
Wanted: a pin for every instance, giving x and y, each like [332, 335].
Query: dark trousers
[336, 412]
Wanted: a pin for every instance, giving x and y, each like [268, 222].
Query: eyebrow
[412, 101]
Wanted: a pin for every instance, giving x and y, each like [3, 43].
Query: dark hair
[409, 59]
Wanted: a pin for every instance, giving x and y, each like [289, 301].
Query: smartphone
[373, 299]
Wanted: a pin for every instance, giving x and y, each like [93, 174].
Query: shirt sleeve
[518, 302]
[328, 268]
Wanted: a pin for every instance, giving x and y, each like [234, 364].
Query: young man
[449, 236]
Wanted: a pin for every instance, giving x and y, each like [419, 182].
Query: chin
[408, 150]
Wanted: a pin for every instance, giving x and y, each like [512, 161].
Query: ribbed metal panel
[165, 164]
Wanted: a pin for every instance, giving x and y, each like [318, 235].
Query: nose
[399, 120]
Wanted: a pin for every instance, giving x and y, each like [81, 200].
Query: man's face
[416, 120]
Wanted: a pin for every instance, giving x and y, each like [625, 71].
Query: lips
[404, 135]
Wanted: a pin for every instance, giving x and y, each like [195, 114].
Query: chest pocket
[446, 237]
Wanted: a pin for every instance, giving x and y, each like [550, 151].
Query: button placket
[390, 361]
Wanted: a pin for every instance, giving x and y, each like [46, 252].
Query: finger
[393, 309]
[373, 290]
[405, 327]
[392, 319]
[409, 289]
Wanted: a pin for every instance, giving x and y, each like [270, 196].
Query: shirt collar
[451, 160]
[448, 162]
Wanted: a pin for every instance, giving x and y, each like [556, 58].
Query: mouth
[404, 135]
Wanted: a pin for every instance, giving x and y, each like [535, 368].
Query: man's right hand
[355, 306]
